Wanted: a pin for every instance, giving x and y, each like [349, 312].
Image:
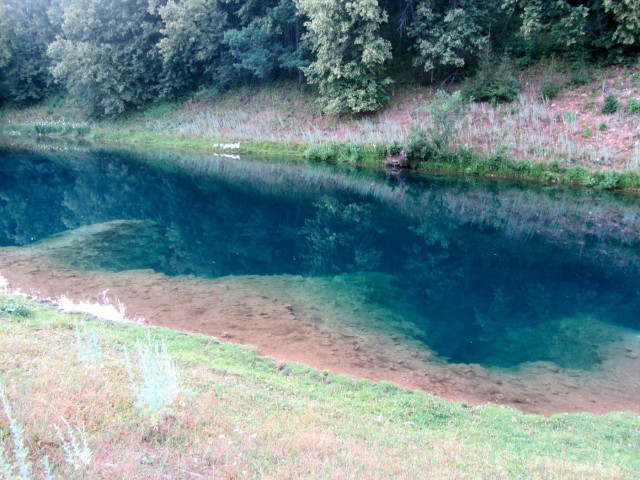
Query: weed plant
[74, 444]
[19, 466]
[157, 381]
[87, 345]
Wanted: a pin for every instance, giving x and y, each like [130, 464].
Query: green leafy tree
[191, 43]
[106, 56]
[576, 29]
[627, 17]
[25, 33]
[269, 42]
[447, 33]
[349, 54]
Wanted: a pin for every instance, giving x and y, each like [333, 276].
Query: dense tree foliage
[116, 55]
[106, 56]
[627, 17]
[448, 32]
[266, 39]
[191, 41]
[25, 33]
[350, 55]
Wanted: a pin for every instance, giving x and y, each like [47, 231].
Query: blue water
[490, 268]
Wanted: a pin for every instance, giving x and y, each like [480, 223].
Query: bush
[494, 82]
[581, 73]
[550, 88]
[610, 105]
[325, 152]
[419, 148]
[633, 106]
[609, 180]
[445, 111]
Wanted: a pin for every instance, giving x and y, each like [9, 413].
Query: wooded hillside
[116, 55]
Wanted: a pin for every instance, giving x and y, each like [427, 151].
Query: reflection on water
[476, 272]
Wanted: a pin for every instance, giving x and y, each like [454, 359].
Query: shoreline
[236, 309]
[462, 162]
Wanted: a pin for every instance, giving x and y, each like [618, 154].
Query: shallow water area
[476, 291]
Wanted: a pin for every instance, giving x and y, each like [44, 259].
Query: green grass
[467, 162]
[243, 415]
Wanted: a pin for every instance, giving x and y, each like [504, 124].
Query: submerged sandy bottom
[330, 323]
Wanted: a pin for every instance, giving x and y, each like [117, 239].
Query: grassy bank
[568, 140]
[237, 414]
[457, 162]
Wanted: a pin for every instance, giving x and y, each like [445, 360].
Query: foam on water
[107, 309]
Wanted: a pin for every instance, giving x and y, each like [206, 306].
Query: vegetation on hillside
[113, 56]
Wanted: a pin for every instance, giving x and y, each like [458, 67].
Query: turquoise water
[489, 270]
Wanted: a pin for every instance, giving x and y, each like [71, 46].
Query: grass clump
[61, 128]
[353, 153]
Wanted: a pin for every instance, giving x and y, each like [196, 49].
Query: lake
[476, 290]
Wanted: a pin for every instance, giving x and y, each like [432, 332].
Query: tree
[349, 54]
[106, 56]
[269, 42]
[559, 26]
[627, 16]
[25, 33]
[449, 32]
[191, 43]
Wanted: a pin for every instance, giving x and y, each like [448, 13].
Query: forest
[113, 56]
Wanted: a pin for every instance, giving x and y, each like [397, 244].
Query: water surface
[403, 269]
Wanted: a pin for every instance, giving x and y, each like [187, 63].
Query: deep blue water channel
[490, 268]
